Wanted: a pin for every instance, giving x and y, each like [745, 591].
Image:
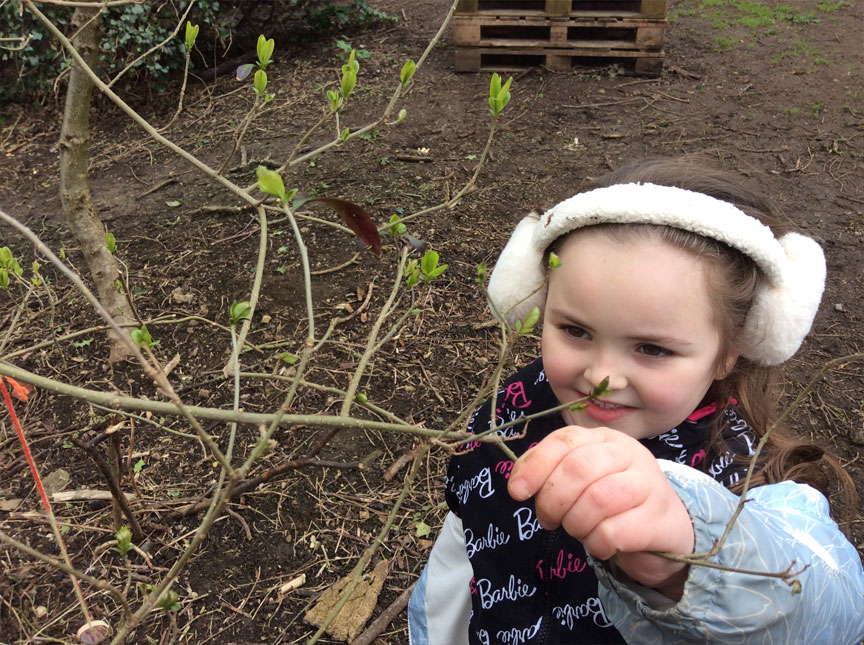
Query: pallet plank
[562, 8]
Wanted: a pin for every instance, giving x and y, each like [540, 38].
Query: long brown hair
[732, 281]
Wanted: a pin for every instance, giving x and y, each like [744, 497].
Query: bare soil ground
[773, 93]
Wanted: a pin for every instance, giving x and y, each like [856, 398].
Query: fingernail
[518, 489]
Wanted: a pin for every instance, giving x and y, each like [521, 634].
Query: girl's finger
[533, 468]
[607, 497]
[574, 475]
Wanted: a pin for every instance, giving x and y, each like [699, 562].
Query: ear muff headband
[793, 266]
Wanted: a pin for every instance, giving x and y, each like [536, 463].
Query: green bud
[191, 35]
[239, 311]
[110, 242]
[526, 325]
[124, 541]
[265, 49]
[270, 182]
[260, 82]
[169, 602]
[407, 72]
[141, 337]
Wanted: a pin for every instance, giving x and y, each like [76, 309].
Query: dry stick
[384, 619]
[101, 585]
[256, 288]
[116, 492]
[700, 559]
[261, 445]
[182, 94]
[368, 553]
[241, 133]
[351, 392]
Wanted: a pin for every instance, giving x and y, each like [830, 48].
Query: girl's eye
[654, 350]
[575, 332]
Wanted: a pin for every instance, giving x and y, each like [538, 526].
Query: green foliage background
[228, 29]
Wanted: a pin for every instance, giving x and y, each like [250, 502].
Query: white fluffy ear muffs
[793, 266]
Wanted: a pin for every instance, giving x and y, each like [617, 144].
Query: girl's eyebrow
[569, 318]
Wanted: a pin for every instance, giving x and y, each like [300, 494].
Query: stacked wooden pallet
[507, 35]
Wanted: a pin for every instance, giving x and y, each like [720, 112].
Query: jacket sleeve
[440, 604]
[782, 525]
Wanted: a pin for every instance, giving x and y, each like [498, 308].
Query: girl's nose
[599, 370]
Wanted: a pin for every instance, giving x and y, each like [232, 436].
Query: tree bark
[74, 187]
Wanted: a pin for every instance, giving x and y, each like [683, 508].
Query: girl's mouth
[608, 406]
[606, 412]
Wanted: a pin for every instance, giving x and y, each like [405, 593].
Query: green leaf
[111, 242]
[423, 529]
[526, 325]
[494, 85]
[265, 49]
[602, 389]
[396, 227]
[139, 466]
[429, 262]
[169, 602]
[6, 258]
[260, 82]
[270, 182]
[481, 273]
[554, 261]
[499, 95]
[4, 279]
[349, 80]
[578, 407]
[83, 342]
[407, 72]
[239, 311]
[333, 98]
[191, 35]
[141, 337]
[172, 203]
[345, 134]
[289, 358]
[124, 541]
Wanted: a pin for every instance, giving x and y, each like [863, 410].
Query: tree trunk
[74, 188]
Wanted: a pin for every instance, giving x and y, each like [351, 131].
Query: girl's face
[638, 312]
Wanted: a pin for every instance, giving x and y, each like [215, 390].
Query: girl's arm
[781, 525]
[440, 604]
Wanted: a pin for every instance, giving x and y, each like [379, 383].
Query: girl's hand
[607, 491]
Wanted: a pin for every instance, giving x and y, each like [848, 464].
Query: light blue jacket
[782, 526]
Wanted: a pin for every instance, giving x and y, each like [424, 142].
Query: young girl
[666, 280]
